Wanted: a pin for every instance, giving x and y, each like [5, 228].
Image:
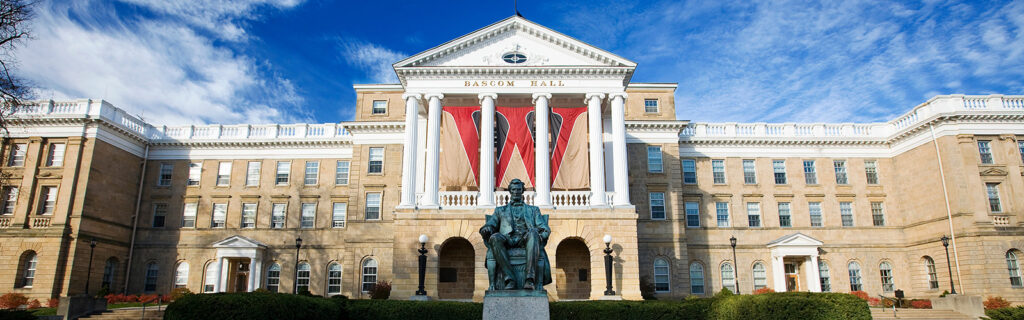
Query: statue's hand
[486, 232]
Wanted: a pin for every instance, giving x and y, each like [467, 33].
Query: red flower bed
[860, 294]
[995, 302]
[921, 304]
[52, 303]
[35, 304]
[763, 290]
[121, 298]
[12, 300]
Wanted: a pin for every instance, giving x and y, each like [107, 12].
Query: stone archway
[572, 269]
[455, 269]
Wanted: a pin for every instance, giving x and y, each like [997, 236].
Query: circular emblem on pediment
[514, 57]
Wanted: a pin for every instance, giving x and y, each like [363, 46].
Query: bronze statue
[515, 236]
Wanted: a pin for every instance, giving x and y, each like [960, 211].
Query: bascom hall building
[814, 207]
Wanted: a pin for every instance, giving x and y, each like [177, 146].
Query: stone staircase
[129, 314]
[886, 314]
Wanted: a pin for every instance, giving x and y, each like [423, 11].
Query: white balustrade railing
[458, 199]
[1001, 221]
[570, 199]
[559, 199]
[6, 222]
[41, 222]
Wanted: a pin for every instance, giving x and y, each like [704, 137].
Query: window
[877, 214]
[871, 171]
[17, 155]
[933, 276]
[728, 277]
[312, 173]
[1020, 146]
[339, 214]
[651, 105]
[985, 150]
[810, 174]
[784, 218]
[369, 274]
[779, 167]
[152, 272]
[220, 212]
[159, 215]
[376, 164]
[224, 174]
[49, 200]
[55, 158]
[749, 172]
[840, 166]
[823, 277]
[993, 197]
[341, 174]
[885, 270]
[379, 107]
[692, 214]
[308, 215]
[274, 278]
[302, 277]
[814, 209]
[753, 214]
[277, 215]
[10, 198]
[696, 278]
[195, 172]
[689, 171]
[1013, 266]
[188, 215]
[248, 215]
[846, 213]
[722, 213]
[109, 269]
[212, 277]
[718, 171]
[166, 173]
[657, 205]
[252, 173]
[661, 275]
[27, 265]
[283, 168]
[334, 279]
[181, 275]
[854, 268]
[654, 159]
[372, 211]
[760, 276]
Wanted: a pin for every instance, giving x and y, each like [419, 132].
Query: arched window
[152, 271]
[369, 274]
[302, 277]
[823, 276]
[27, 266]
[661, 278]
[334, 278]
[181, 275]
[212, 277]
[1013, 266]
[760, 276]
[728, 277]
[933, 277]
[696, 278]
[108, 273]
[273, 277]
[854, 268]
[885, 270]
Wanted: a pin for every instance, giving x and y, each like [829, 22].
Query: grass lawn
[53, 311]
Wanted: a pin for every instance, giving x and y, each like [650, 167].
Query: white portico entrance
[795, 263]
[238, 265]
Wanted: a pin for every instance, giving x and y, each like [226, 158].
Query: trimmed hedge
[419, 310]
[252, 305]
[790, 305]
[1008, 313]
[696, 309]
[16, 315]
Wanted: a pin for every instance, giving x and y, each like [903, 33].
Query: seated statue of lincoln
[514, 229]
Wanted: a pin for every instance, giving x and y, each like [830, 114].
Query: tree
[14, 91]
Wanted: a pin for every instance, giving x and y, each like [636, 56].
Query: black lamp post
[945, 243]
[423, 263]
[298, 245]
[608, 265]
[88, 274]
[736, 268]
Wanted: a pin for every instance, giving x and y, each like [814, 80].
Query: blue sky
[257, 61]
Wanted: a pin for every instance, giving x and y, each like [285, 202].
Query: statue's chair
[517, 257]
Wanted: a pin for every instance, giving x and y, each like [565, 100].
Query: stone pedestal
[969, 305]
[516, 304]
[419, 298]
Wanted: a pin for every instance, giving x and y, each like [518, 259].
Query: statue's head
[516, 188]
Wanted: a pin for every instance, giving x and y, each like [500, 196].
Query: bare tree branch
[14, 91]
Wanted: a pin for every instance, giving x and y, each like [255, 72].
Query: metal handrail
[894, 301]
[159, 305]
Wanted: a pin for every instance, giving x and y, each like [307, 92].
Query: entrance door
[238, 275]
[792, 277]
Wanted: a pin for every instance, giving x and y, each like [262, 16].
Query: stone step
[886, 314]
[127, 314]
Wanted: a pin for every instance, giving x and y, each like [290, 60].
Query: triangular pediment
[994, 172]
[795, 240]
[239, 242]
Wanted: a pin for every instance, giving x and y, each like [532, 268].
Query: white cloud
[371, 58]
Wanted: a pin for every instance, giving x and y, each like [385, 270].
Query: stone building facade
[812, 207]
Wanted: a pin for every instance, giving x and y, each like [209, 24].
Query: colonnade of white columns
[543, 157]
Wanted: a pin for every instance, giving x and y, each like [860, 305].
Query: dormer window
[514, 57]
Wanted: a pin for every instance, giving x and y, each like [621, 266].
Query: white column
[252, 275]
[256, 271]
[778, 274]
[412, 106]
[486, 149]
[430, 183]
[813, 278]
[619, 170]
[222, 267]
[543, 152]
[597, 197]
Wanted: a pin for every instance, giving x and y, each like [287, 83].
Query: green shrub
[790, 305]
[16, 315]
[381, 290]
[251, 305]
[647, 288]
[696, 309]
[1009, 313]
[403, 310]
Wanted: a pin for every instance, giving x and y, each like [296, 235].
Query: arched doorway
[572, 268]
[455, 269]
